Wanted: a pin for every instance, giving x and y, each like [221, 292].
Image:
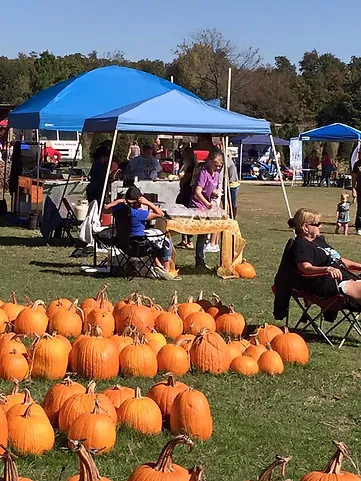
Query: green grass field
[298, 413]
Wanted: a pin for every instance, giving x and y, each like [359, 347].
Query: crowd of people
[311, 165]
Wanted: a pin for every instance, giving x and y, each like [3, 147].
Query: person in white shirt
[145, 166]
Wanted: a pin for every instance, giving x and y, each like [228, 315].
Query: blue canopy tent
[332, 133]
[66, 105]
[176, 112]
[258, 140]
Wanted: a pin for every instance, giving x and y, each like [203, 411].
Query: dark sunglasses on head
[316, 224]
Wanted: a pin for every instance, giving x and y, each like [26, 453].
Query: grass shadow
[23, 241]
[53, 264]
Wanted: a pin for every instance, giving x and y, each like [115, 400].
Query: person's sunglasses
[316, 224]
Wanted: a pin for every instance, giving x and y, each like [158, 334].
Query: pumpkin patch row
[82, 413]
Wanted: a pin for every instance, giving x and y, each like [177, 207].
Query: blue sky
[152, 29]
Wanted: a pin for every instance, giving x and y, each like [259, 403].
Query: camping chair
[327, 308]
[69, 222]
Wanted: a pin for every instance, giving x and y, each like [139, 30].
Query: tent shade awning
[66, 105]
[332, 133]
[175, 112]
[258, 140]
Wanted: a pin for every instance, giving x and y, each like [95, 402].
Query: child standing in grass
[343, 214]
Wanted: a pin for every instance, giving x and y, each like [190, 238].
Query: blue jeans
[165, 253]
[234, 193]
[326, 174]
[200, 246]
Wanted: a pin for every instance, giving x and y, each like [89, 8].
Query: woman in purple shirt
[204, 191]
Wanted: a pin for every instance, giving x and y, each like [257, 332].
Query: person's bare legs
[214, 239]
[354, 291]
[166, 265]
[345, 229]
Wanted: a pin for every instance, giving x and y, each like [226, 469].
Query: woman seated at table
[131, 208]
[329, 273]
[205, 190]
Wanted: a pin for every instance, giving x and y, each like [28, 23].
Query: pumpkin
[164, 393]
[153, 335]
[19, 408]
[232, 324]
[236, 348]
[209, 352]
[32, 320]
[121, 341]
[14, 365]
[60, 304]
[155, 308]
[57, 395]
[186, 308]
[164, 468]
[141, 414]
[12, 309]
[139, 360]
[245, 365]
[15, 397]
[94, 302]
[100, 316]
[31, 433]
[96, 428]
[119, 394]
[136, 315]
[245, 270]
[195, 322]
[190, 414]
[169, 323]
[255, 350]
[67, 321]
[11, 342]
[3, 429]
[49, 357]
[88, 469]
[97, 357]
[265, 333]
[81, 403]
[333, 470]
[74, 352]
[173, 358]
[271, 362]
[204, 303]
[4, 320]
[10, 469]
[185, 341]
[291, 347]
[155, 345]
[218, 308]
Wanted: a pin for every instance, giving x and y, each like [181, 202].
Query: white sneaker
[358, 231]
[210, 248]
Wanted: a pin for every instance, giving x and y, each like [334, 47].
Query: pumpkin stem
[82, 315]
[9, 327]
[232, 309]
[15, 389]
[286, 330]
[27, 397]
[88, 469]
[268, 346]
[73, 304]
[190, 299]
[175, 298]
[10, 469]
[13, 297]
[90, 389]
[170, 379]
[67, 381]
[279, 461]
[165, 461]
[138, 393]
[197, 473]
[97, 407]
[27, 413]
[3, 400]
[97, 331]
[334, 466]
[37, 303]
[200, 296]
[102, 293]
[216, 299]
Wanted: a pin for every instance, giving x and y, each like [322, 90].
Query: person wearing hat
[131, 208]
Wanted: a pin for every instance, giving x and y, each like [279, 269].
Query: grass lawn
[298, 413]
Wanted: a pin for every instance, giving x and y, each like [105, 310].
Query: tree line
[321, 89]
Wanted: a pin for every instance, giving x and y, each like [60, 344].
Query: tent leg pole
[240, 160]
[281, 177]
[108, 172]
[70, 170]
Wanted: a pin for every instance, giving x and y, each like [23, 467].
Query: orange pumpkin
[119, 394]
[195, 322]
[15, 397]
[169, 323]
[173, 358]
[58, 304]
[121, 341]
[138, 359]
[10, 469]
[3, 429]
[245, 365]
[190, 414]
[186, 308]
[164, 468]
[185, 341]
[141, 414]
[232, 324]
[265, 333]
[136, 315]
[209, 353]
[81, 403]
[19, 409]
[218, 308]
[57, 395]
[11, 342]
[49, 357]
[100, 316]
[88, 469]
[271, 362]
[245, 270]
[97, 357]
[32, 320]
[14, 365]
[164, 393]
[67, 321]
[236, 348]
[12, 309]
[291, 347]
[4, 320]
[153, 335]
[333, 470]
[255, 350]
[93, 302]
[96, 428]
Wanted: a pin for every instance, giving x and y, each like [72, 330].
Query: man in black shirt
[253, 153]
